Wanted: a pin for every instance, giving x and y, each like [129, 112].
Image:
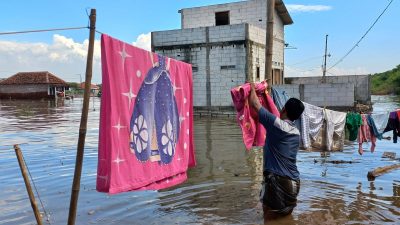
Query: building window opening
[222, 18]
[258, 73]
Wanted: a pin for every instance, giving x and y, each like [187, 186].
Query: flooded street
[222, 189]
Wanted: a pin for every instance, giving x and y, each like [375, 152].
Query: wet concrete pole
[82, 129]
[22, 166]
[325, 55]
[269, 40]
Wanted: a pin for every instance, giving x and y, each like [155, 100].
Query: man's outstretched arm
[253, 99]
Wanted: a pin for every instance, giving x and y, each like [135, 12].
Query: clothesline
[43, 30]
[363, 127]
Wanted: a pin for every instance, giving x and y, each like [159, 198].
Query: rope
[34, 186]
[45, 30]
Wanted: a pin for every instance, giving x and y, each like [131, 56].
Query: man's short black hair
[294, 108]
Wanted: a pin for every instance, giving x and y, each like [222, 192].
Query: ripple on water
[222, 189]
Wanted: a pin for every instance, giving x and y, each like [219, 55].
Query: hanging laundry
[253, 132]
[365, 135]
[312, 120]
[280, 97]
[378, 123]
[353, 123]
[146, 120]
[393, 125]
[335, 123]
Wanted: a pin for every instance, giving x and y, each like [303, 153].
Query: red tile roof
[92, 86]
[41, 77]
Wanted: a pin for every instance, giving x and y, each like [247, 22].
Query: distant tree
[73, 85]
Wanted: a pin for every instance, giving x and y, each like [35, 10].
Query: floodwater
[222, 189]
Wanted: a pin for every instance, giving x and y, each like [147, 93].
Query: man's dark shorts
[279, 194]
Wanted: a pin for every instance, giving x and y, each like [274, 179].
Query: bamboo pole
[269, 42]
[381, 170]
[83, 125]
[22, 166]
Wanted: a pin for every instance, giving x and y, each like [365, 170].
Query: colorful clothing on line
[378, 123]
[252, 130]
[365, 134]
[393, 125]
[280, 97]
[146, 119]
[353, 123]
[312, 120]
[335, 123]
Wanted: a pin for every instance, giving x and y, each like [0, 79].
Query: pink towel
[253, 132]
[146, 120]
[365, 135]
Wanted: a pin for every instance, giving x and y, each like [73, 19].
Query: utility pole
[80, 78]
[269, 40]
[326, 54]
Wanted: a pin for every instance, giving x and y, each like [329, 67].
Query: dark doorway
[222, 18]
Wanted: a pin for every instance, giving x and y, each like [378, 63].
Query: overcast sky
[64, 53]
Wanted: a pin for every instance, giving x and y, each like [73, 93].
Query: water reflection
[222, 189]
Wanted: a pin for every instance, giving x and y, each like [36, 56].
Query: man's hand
[253, 99]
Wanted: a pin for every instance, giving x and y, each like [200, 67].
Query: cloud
[293, 8]
[143, 41]
[63, 57]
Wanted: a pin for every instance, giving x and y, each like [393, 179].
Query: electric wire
[365, 34]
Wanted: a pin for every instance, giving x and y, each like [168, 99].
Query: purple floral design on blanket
[154, 126]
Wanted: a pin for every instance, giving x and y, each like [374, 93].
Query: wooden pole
[381, 170]
[22, 166]
[82, 128]
[269, 42]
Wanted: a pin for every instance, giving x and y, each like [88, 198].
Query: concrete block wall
[178, 37]
[193, 36]
[333, 95]
[361, 83]
[251, 12]
[329, 94]
[291, 89]
[227, 33]
[223, 79]
[256, 36]
[174, 44]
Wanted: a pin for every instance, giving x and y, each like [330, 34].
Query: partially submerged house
[32, 85]
[225, 44]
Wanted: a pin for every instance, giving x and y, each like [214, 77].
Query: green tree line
[387, 82]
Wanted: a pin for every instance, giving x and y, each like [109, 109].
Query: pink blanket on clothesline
[146, 119]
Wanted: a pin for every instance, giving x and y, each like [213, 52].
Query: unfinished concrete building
[225, 44]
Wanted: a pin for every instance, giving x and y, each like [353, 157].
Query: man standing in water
[281, 183]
